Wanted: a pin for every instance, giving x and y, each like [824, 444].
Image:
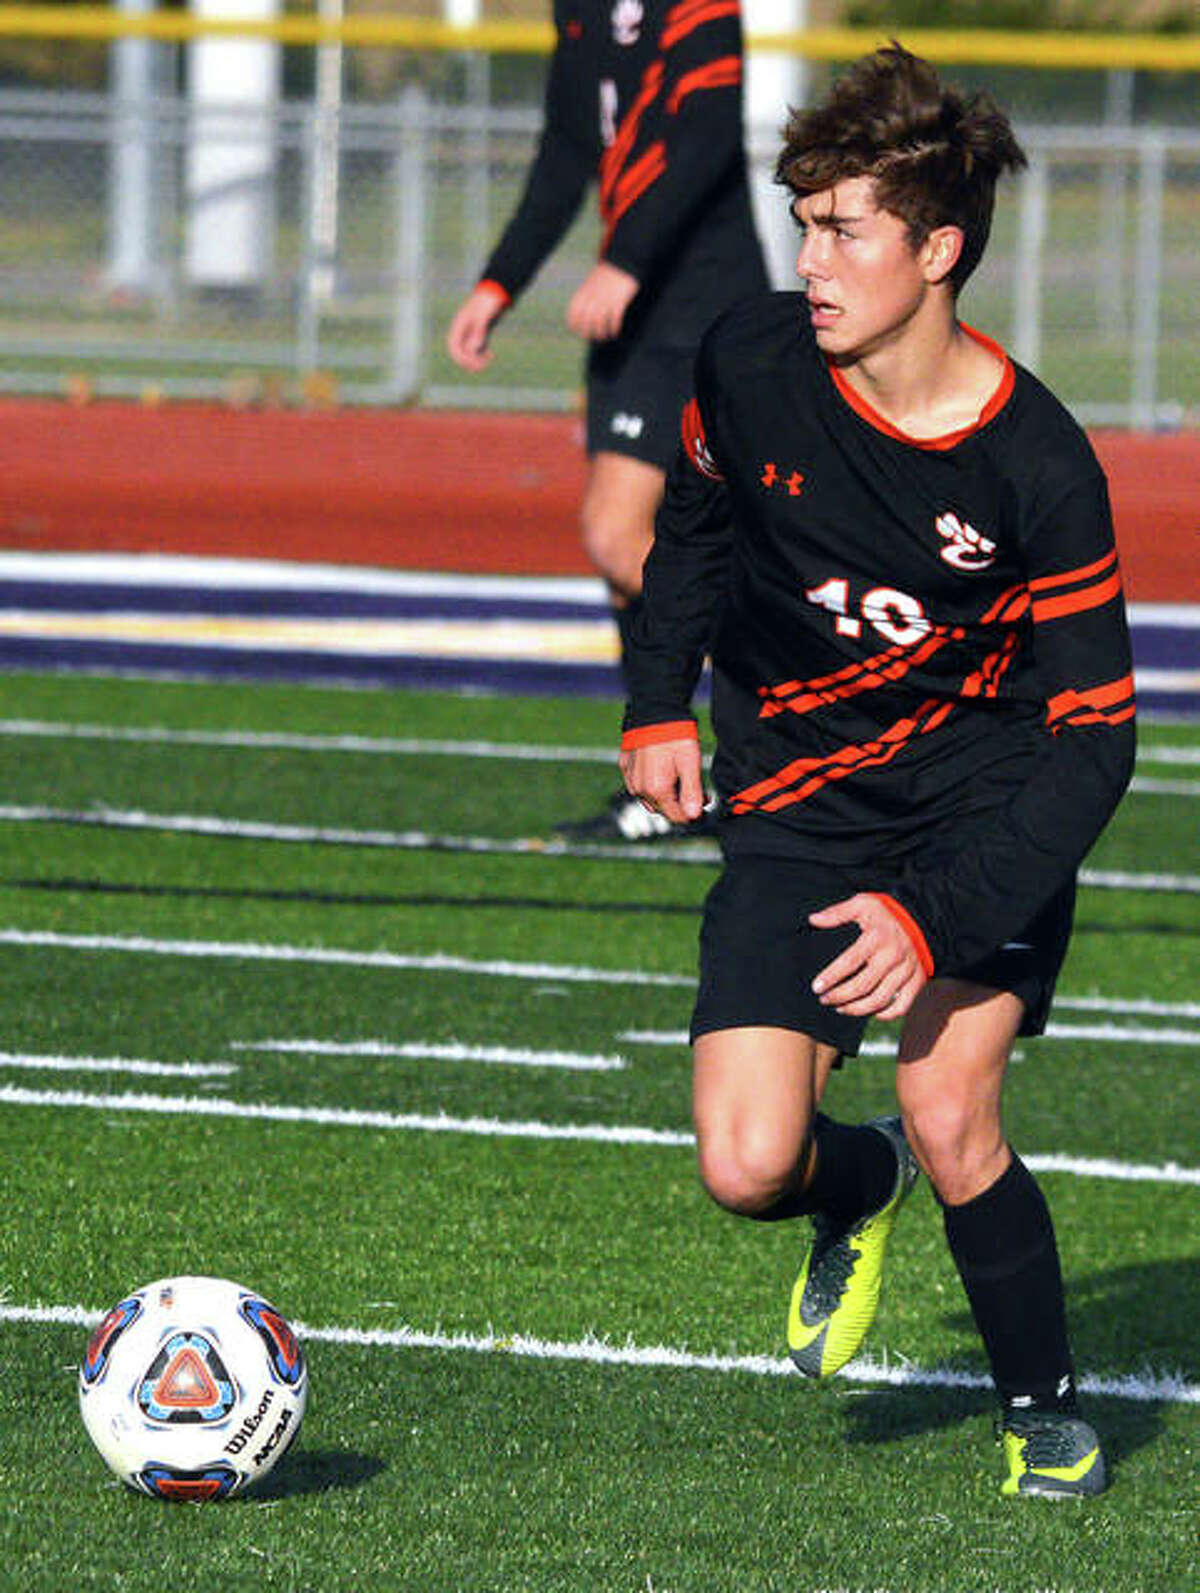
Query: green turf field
[307, 1011]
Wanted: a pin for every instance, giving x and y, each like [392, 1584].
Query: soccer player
[643, 96]
[900, 547]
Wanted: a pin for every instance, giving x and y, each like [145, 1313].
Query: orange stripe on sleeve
[1086, 572]
[643, 174]
[1113, 703]
[724, 73]
[1052, 608]
[692, 14]
[613, 160]
[500, 291]
[910, 927]
[652, 735]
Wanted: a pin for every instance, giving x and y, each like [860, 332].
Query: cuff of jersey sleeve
[497, 288]
[650, 735]
[911, 928]
[617, 257]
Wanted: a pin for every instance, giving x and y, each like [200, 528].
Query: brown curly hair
[933, 154]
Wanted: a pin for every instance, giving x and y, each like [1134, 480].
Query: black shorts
[759, 954]
[635, 398]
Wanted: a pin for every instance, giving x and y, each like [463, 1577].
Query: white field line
[399, 746]
[324, 835]
[1106, 1033]
[1121, 1034]
[1166, 1390]
[704, 852]
[1127, 1006]
[271, 740]
[182, 571]
[349, 1117]
[1141, 786]
[42, 1063]
[503, 1128]
[1122, 880]
[436, 962]
[516, 1056]
[1122, 1006]
[441, 962]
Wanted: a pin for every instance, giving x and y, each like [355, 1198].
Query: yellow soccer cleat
[1054, 1456]
[837, 1292]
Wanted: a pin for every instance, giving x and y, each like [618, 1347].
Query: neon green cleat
[1052, 1455]
[837, 1292]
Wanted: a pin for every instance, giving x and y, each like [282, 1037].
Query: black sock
[1003, 1245]
[855, 1173]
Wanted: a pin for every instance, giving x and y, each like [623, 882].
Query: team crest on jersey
[627, 21]
[966, 548]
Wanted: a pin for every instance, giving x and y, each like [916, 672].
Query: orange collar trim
[994, 405]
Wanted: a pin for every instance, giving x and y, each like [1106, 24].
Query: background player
[924, 716]
[644, 96]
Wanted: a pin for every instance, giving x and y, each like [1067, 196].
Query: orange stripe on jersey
[1008, 607]
[497, 288]
[1086, 572]
[692, 14]
[724, 73]
[643, 174]
[800, 779]
[615, 156]
[1112, 703]
[650, 735]
[802, 697]
[1052, 608]
[985, 681]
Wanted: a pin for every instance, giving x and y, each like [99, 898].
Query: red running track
[419, 490]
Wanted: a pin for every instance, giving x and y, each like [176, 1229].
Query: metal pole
[411, 211]
[1033, 205]
[233, 86]
[1148, 275]
[1118, 119]
[775, 83]
[131, 207]
[326, 141]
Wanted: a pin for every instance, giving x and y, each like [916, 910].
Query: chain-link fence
[313, 238]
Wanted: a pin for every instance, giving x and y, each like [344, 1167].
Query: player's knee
[746, 1173]
[957, 1143]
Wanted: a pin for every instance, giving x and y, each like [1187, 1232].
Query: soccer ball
[193, 1388]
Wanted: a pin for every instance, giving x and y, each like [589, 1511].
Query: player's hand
[597, 308]
[667, 778]
[467, 341]
[879, 973]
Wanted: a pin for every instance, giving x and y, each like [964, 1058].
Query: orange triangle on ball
[186, 1383]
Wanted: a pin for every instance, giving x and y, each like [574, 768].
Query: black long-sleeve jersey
[921, 664]
[644, 97]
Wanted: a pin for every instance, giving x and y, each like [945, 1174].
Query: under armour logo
[966, 548]
[626, 425]
[771, 478]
